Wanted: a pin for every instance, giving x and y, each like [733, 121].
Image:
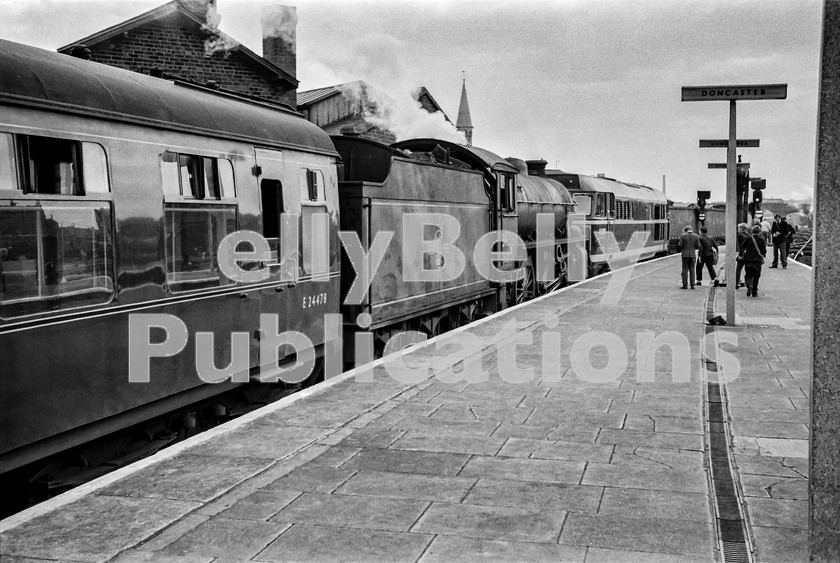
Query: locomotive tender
[116, 190]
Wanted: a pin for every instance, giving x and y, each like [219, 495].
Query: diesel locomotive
[117, 191]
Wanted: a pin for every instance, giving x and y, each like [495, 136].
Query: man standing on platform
[688, 245]
[782, 233]
[708, 251]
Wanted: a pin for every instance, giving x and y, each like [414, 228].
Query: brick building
[182, 38]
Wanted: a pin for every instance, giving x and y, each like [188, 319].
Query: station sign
[741, 165]
[724, 143]
[745, 92]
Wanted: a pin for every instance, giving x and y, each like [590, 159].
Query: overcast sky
[590, 86]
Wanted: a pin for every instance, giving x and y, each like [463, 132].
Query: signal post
[732, 94]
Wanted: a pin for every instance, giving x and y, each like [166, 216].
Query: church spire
[464, 122]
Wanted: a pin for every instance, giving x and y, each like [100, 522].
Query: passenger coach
[115, 191]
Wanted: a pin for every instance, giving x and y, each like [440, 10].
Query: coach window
[61, 166]
[313, 203]
[312, 185]
[583, 204]
[600, 205]
[507, 192]
[8, 180]
[199, 213]
[193, 234]
[54, 255]
[611, 206]
[196, 177]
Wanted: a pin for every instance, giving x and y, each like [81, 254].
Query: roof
[309, 97]
[168, 9]
[37, 78]
[620, 189]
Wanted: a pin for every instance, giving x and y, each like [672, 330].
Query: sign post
[731, 94]
[724, 143]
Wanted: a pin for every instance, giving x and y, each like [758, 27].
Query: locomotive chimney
[536, 167]
[279, 31]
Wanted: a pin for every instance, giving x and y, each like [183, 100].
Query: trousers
[707, 261]
[780, 248]
[688, 270]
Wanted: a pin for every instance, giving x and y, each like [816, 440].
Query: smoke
[405, 117]
[221, 42]
[376, 59]
[280, 22]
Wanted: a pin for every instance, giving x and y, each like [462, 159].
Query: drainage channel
[731, 526]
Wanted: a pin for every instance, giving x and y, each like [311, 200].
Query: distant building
[350, 108]
[464, 122]
[773, 205]
[182, 38]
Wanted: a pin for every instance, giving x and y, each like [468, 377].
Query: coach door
[280, 234]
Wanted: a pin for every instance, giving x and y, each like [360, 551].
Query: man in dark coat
[688, 245]
[752, 252]
[708, 249]
[741, 236]
[782, 235]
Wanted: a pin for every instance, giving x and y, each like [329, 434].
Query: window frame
[169, 196]
[17, 172]
[108, 263]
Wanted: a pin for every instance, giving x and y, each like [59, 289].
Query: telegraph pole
[731, 94]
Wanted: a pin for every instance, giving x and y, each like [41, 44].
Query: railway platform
[592, 424]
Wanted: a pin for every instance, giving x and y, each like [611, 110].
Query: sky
[591, 86]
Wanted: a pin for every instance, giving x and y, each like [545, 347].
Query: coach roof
[34, 77]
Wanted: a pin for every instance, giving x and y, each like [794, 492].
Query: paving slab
[70, 534]
[350, 511]
[312, 478]
[406, 461]
[308, 542]
[560, 496]
[188, 477]
[222, 537]
[260, 505]
[680, 537]
[408, 486]
[555, 449]
[645, 477]
[492, 522]
[517, 469]
[450, 548]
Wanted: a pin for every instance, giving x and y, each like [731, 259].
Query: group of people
[699, 251]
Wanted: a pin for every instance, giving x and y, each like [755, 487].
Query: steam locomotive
[117, 191]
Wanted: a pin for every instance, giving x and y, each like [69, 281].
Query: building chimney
[279, 30]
